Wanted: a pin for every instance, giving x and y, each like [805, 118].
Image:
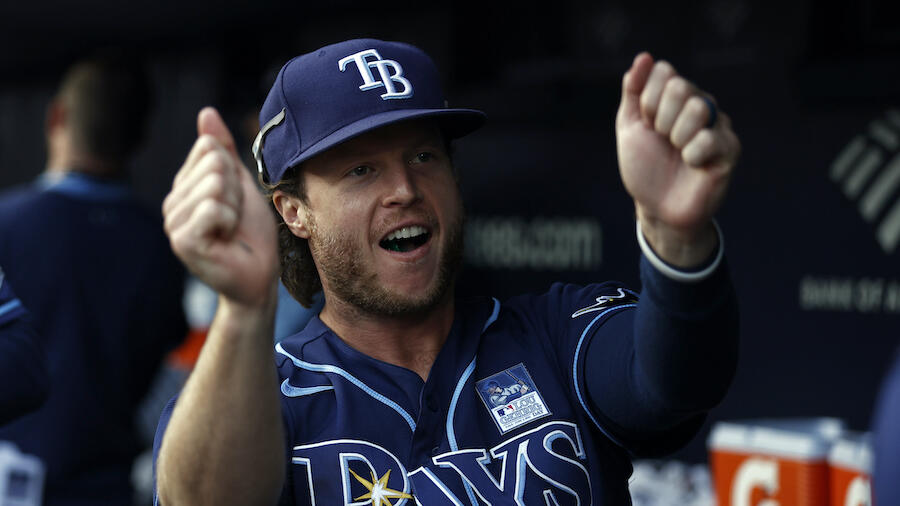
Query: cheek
[451, 205]
[349, 218]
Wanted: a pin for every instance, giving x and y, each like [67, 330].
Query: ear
[293, 212]
[56, 115]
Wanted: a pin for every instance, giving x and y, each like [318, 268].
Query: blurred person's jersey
[96, 271]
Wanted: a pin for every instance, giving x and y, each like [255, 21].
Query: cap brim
[454, 123]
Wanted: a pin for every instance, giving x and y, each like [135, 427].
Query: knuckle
[706, 139]
[701, 149]
[213, 162]
[168, 224]
[206, 142]
[647, 103]
[206, 208]
[181, 243]
[696, 105]
[182, 173]
[214, 183]
[678, 87]
[677, 138]
[664, 67]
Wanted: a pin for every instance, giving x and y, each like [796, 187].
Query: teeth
[406, 233]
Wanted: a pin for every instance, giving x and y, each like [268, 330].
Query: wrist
[681, 247]
[241, 313]
[689, 271]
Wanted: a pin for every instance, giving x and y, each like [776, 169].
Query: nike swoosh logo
[292, 391]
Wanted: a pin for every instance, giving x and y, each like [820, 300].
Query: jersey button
[432, 404]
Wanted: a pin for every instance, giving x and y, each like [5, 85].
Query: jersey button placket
[432, 404]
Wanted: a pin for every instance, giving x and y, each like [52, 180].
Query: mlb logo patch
[511, 398]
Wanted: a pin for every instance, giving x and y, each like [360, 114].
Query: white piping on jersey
[9, 306]
[491, 319]
[451, 434]
[349, 377]
[575, 372]
[292, 391]
[437, 483]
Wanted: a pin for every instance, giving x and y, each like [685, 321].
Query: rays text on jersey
[545, 465]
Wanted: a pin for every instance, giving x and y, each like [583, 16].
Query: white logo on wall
[552, 244]
[385, 68]
[868, 170]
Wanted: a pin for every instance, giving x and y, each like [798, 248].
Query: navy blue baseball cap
[323, 98]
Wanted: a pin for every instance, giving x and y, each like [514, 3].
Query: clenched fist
[676, 155]
[217, 221]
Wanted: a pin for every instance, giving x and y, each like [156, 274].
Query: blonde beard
[341, 268]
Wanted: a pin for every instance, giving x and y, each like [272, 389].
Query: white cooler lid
[853, 450]
[800, 438]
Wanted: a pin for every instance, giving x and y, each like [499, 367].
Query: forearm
[661, 366]
[224, 443]
[686, 339]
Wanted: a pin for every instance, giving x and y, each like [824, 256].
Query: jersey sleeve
[23, 369]
[886, 488]
[651, 374]
[644, 368]
[157, 440]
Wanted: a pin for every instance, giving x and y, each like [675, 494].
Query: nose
[402, 190]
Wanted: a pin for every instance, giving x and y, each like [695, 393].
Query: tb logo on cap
[388, 79]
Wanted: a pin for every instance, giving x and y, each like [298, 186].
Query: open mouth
[405, 239]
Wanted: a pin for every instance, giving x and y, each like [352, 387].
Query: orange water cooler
[773, 462]
[850, 470]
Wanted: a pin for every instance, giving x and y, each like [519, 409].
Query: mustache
[393, 221]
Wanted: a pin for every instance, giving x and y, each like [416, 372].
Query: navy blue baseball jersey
[94, 269]
[542, 399]
[11, 307]
[887, 438]
[23, 369]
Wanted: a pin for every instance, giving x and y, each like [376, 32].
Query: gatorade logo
[859, 493]
[755, 474]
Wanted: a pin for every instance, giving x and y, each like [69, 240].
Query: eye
[423, 157]
[362, 170]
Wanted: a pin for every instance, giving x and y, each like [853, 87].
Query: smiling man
[385, 397]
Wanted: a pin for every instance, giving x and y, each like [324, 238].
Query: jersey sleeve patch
[512, 398]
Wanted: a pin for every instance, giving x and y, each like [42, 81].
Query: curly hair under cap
[298, 270]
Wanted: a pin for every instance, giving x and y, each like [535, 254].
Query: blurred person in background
[23, 368]
[886, 486]
[96, 271]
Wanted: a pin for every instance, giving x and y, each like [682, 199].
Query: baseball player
[501, 395]
[23, 368]
[90, 263]
[381, 398]
[886, 488]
